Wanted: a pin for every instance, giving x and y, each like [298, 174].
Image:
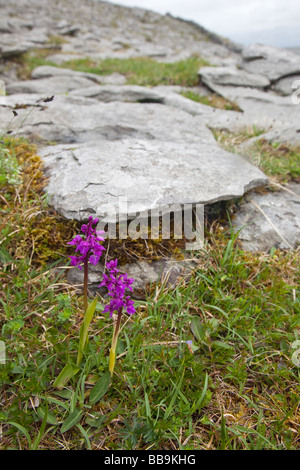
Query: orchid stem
[112, 353]
[85, 285]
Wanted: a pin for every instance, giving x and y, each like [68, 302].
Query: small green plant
[63, 309]
[279, 161]
[10, 171]
[213, 100]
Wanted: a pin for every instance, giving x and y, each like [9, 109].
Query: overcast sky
[273, 22]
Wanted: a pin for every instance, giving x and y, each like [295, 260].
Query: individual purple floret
[117, 285]
[90, 246]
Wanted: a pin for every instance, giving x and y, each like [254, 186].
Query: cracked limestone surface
[102, 139]
[146, 152]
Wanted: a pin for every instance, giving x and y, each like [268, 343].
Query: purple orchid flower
[90, 247]
[117, 285]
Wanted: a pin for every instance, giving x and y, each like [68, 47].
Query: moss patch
[30, 228]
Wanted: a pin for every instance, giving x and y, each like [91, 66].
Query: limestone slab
[233, 77]
[46, 71]
[51, 85]
[270, 220]
[147, 153]
[288, 85]
[273, 62]
[149, 174]
[126, 93]
[278, 116]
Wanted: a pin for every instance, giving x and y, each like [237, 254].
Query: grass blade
[39, 435]
[202, 396]
[175, 394]
[85, 435]
[23, 431]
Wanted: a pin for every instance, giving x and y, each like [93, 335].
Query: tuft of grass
[27, 62]
[279, 161]
[144, 71]
[141, 71]
[213, 100]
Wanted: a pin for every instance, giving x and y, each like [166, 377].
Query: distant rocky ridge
[101, 29]
[102, 139]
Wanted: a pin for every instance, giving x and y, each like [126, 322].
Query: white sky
[273, 22]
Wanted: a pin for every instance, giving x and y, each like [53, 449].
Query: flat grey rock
[272, 62]
[77, 118]
[146, 274]
[144, 152]
[51, 85]
[286, 86]
[126, 93]
[277, 116]
[93, 177]
[271, 220]
[18, 41]
[5, 26]
[288, 133]
[232, 76]
[47, 71]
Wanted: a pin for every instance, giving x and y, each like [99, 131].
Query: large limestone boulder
[148, 153]
[150, 174]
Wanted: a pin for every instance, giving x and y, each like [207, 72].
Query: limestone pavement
[102, 139]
